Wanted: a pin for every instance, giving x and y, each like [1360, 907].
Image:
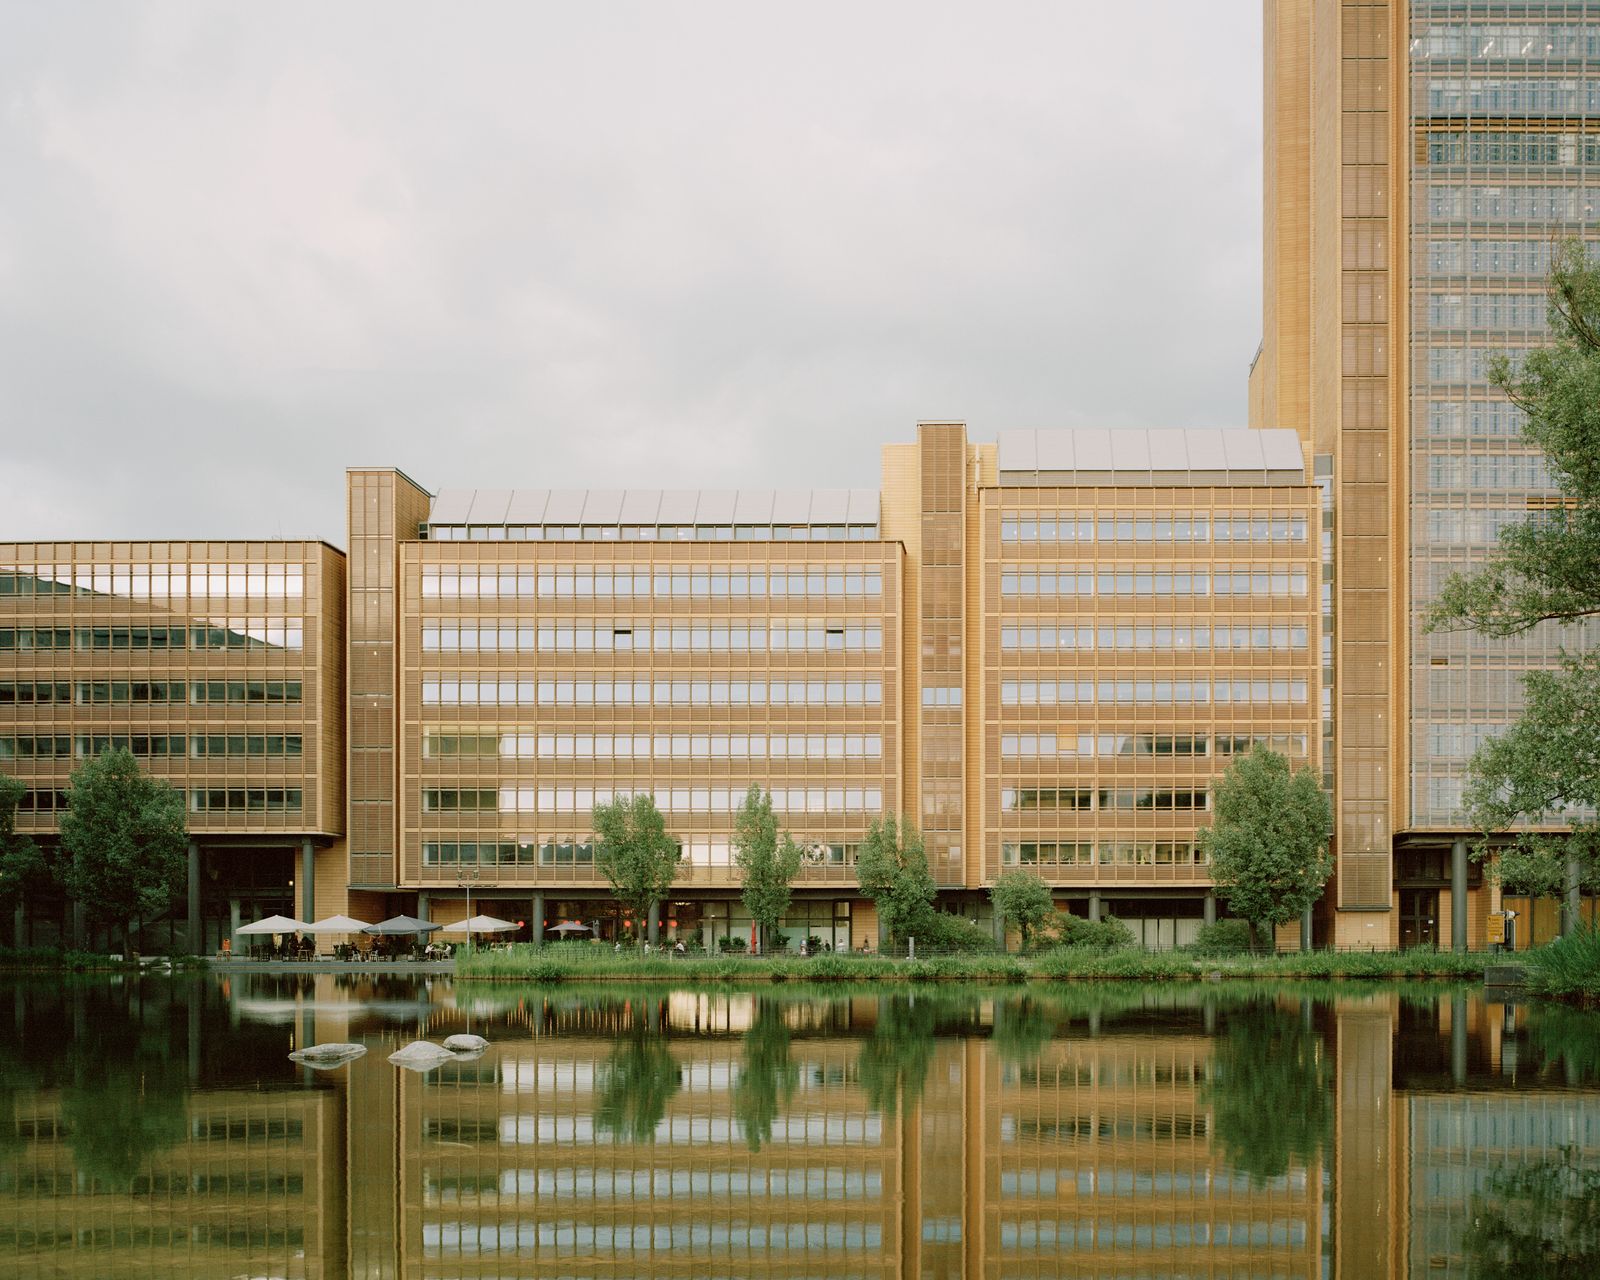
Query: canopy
[570, 926]
[481, 924]
[401, 924]
[335, 924]
[274, 924]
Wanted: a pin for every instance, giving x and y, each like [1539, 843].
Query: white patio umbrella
[570, 926]
[274, 924]
[481, 924]
[334, 924]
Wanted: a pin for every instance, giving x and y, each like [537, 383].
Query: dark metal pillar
[653, 925]
[1305, 929]
[308, 881]
[196, 943]
[1573, 914]
[1458, 894]
[536, 920]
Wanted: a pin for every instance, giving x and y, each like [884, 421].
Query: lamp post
[466, 881]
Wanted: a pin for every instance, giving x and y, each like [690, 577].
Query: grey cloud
[242, 247]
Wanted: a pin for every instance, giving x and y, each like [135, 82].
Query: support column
[1305, 929]
[308, 881]
[883, 934]
[1209, 909]
[652, 928]
[424, 904]
[79, 927]
[999, 928]
[1094, 906]
[195, 941]
[19, 927]
[1458, 894]
[233, 925]
[536, 920]
[1573, 915]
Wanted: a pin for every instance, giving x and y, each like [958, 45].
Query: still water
[158, 1128]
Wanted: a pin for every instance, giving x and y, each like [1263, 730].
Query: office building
[220, 665]
[1038, 651]
[1421, 161]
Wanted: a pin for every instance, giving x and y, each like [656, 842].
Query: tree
[1268, 845]
[636, 855]
[23, 869]
[768, 860]
[123, 840]
[1546, 569]
[1021, 898]
[892, 870]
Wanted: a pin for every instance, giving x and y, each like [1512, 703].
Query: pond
[158, 1128]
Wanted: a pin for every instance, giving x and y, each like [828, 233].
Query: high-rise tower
[1421, 161]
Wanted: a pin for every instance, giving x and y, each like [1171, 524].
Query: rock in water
[420, 1055]
[465, 1044]
[328, 1055]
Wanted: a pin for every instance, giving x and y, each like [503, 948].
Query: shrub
[953, 933]
[1223, 938]
[1109, 934]
[732, 945]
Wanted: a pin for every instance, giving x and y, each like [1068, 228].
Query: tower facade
[1421, 162]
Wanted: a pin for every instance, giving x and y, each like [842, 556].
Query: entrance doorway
[1419, 918]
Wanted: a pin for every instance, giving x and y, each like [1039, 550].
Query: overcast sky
[243, 246]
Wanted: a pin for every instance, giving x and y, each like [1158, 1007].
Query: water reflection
[637, 1081]
[158, 1128]
[768, 1077]
[1267, 1087]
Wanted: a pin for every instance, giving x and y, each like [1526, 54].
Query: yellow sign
[1497, 927]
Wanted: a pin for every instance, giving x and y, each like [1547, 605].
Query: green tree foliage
[1536, 1221]
[23, 869]
[1268, 1088]
[123, 840]
[768, 1078]
[1268, 842]
[635, 1086]
[1546, 570]
[1022, 899]
[892, 870]
[768, 860]
[636, 855]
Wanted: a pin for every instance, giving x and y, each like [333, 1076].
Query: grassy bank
[582, 964]
[1568, 969]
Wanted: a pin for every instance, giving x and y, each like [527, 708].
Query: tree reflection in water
[637, 1082]
[1022, 1028]
[894, 1059]
[1536, 1220]
[768, 1078]
[1268, 1088]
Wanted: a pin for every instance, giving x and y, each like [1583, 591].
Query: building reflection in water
[1121, 1132]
